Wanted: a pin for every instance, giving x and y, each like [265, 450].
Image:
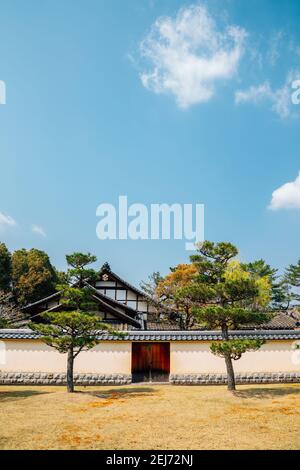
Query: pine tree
[227, 302]
[75, 329]
[5, 268]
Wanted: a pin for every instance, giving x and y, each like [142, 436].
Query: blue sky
[100, 104]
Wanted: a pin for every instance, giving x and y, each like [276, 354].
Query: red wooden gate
[150, 362]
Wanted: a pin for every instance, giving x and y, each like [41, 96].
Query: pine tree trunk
[230, 373]
[228, 362]
[70, 367]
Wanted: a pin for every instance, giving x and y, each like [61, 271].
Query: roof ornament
[105, 267]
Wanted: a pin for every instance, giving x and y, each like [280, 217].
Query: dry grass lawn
[150, 417]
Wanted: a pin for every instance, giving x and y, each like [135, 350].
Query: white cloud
[188, 54]
[280, 99]
[38, 230]
[254, 94]
[6, 221]
[287, 196]
[294, 48]
[275, 44]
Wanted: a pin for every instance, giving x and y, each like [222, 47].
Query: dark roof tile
[169, 335]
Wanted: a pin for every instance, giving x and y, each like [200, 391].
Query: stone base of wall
[244, 378]
[46, 378]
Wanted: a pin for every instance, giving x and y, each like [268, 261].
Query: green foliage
[216, 253]
[75, 298]
[71, 331]
[212, 259]
[228, 317]
[231, 280]
[231, 292]
[282, 294]
[62, 277]
[260, 284]
[292, 274]
[234, 348]
[260, 268]
[286, 289]
[75, 294]
[194, 294]
[291, 283]
[78, 271]
[3, 323]
[5, 268]
[218, 292]
[33, 275]
[75, 329]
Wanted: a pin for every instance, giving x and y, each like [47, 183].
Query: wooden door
[150, 362]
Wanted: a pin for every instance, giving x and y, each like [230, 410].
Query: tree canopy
[5, 268]
[78, 271]
[33, 275]
[71, 332]
[75, 329]
[216, 291]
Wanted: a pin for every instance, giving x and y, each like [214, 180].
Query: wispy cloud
[294, 48]
[287, 196]
[254, 94]
[275, 45]
[38, 230]
[6, 221]
[279, 98]
[189, 53]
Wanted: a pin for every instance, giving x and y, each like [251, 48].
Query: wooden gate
[150, 362]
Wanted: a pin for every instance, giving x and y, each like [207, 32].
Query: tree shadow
[19, 394]
[269, 392]
[116, 393]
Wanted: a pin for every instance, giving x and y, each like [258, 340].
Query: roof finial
[105, 267]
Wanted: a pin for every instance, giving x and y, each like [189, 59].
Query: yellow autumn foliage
[236, 272]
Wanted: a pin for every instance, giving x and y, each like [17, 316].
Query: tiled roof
[169, 335]
[38, 302]
[162, 326]
[281, 321]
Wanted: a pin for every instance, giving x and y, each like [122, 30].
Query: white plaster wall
[34, 356]
[142, 306]
[131, 295]
[194, 358]
[115, 357]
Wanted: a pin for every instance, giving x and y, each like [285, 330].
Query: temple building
[152, 349]
[118, 303]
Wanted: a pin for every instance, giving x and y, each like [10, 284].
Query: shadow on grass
[269, 392]
[18, 394]
[116, 393]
